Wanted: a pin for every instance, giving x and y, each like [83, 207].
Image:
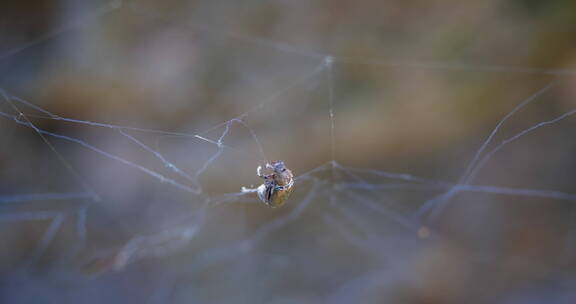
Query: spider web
[145, 202]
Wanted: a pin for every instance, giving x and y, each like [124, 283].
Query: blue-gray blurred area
[432, 144]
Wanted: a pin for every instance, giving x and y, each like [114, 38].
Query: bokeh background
[415, 88]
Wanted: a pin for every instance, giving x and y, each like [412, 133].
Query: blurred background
[129, 127]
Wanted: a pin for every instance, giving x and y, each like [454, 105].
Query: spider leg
[249, 190]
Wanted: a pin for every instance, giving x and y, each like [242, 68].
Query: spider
[277, 186]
